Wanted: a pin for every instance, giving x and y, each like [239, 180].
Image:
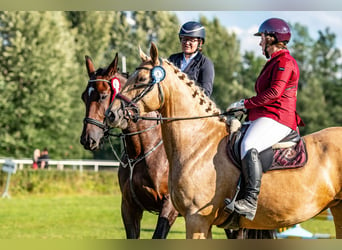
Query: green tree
[301, 47]
[223, 49]
[37, 72]
[327, 66]
[250, 69]
[131, 30]
[161, 27]
[91, 31]
[320, 84]
[311, 106]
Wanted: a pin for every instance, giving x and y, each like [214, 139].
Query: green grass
[89, 217]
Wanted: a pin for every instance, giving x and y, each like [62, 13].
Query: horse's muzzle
[89, 143]
[116, 119]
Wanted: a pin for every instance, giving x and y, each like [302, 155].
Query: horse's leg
[131, 216]
[337, 215]
[197, 227]
[166, 218]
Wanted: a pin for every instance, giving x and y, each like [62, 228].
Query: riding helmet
[275, 27]
[192, 29]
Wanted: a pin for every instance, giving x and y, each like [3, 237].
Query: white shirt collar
[185, 62]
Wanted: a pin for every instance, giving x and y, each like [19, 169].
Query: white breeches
[262, 134]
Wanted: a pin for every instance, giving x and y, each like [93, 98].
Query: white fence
[61, 164]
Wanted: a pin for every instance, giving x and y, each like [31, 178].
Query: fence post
[9, 167]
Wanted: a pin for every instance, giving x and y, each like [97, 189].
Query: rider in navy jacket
[191, 61]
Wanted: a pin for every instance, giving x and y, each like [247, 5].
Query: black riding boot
[252, 173]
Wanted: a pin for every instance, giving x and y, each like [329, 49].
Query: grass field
[89, 217]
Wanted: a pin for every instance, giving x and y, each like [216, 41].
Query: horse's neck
[132, 141]
[192, 134]
[144, 136]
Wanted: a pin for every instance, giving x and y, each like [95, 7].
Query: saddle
[289, 153]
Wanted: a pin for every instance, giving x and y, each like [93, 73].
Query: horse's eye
[103, 97]
[142, 79]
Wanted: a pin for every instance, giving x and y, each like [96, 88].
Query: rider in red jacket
[276, 89]
[272, 112]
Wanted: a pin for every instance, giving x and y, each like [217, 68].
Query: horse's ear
[154, 54]
[143, 56]
[90, 66]
[113, 67]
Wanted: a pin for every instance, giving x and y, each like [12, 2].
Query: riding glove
[237, 105]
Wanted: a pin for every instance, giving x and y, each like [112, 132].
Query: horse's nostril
[111, 116]
[92, 142]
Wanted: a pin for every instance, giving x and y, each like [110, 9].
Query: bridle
[130, 108]
[115, 85]
[131, 162]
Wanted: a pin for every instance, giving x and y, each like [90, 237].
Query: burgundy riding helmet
[275, 27]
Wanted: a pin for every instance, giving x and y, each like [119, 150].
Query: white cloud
[248, 42]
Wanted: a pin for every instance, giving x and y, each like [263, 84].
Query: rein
[123, 136]
[160, 118]
[230, 113]
[133, 162]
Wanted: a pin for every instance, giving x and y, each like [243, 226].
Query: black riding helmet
[192, 29]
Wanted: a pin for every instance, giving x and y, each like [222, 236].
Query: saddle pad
[293, 157]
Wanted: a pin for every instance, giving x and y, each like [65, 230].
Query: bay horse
[201, 173]
[143, 170]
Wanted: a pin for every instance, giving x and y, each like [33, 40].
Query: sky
[246, 23]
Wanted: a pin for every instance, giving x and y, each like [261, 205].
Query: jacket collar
[278, 53]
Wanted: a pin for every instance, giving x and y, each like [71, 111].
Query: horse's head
[142, 92]
[103, 85]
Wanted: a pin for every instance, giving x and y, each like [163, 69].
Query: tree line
[42, 71]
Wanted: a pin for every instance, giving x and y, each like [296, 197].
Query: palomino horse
[143, 170]
[202, 175]
[146, 188]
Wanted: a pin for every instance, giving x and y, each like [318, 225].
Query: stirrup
[230, 204]
[229, 208]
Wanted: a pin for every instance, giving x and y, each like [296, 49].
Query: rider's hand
[237, 105]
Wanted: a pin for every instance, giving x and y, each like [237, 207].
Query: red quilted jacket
[276, 89]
